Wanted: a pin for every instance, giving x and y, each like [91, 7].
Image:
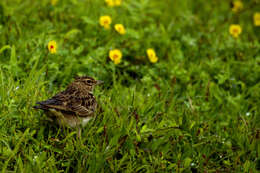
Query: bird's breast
[73, 121]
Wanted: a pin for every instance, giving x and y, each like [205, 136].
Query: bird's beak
[99, 82]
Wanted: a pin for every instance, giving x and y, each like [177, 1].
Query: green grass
[196, 110]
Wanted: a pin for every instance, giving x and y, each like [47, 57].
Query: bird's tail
[40, 106]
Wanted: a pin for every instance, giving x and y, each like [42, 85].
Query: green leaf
[4, 48]
[13, 59]
[72, 33]
[246, 166]
[88, 20]
[187, 162]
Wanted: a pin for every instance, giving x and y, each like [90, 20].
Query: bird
[75, 106]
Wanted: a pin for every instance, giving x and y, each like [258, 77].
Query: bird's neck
[85, 90]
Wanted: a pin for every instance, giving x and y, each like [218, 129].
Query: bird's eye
[88, 81]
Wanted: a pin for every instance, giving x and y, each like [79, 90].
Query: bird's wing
[80, 105]
[58, 102]
[83, 106]
[81, 110]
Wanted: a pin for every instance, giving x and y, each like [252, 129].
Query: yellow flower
[115, 55]
[152, 55]
[52, 46]
[110, 3]
[120, 28]
[105, 21]
[257, 19]
[235, 30]
[54, 2]
[237, 6]
[117, 2]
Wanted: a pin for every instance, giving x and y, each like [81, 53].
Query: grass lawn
[184, 96]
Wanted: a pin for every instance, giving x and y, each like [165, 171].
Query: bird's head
[87, 83]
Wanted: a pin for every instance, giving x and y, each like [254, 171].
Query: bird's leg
[79, 132]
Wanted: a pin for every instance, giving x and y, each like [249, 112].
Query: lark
[74, 106]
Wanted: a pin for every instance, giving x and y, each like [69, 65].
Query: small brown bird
[73, 107]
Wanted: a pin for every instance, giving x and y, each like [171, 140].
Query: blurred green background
[195, 110]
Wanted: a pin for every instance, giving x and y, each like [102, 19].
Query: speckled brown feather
[73, 102]
[77, 99]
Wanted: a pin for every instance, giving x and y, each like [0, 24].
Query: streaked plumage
[73, 107]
